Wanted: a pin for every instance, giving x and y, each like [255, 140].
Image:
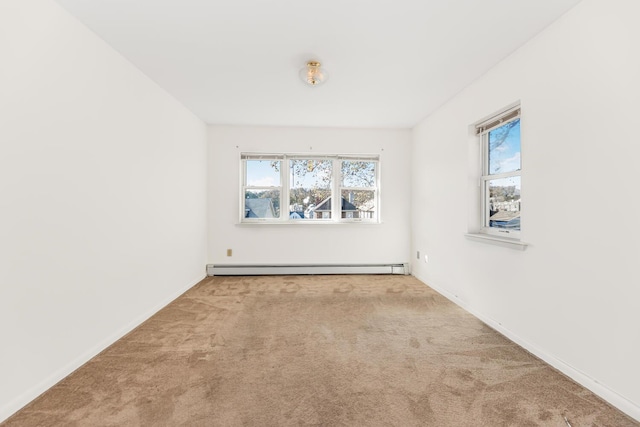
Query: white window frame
[482, 130]
[244, 187]
[376, 193]
[289, 157]
[285, 187]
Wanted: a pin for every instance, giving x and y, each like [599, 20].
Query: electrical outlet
[426, 258]
[229, 252]
[418, 254]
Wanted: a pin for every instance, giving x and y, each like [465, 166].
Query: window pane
[358, 204]
[263, 173]
[504, 203]
[504, 148]
[262, 204]
[358, 174]
[310, 192]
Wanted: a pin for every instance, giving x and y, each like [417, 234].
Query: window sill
[311, 223]
[497, 240]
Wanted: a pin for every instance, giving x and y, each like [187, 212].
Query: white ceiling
[390, 62]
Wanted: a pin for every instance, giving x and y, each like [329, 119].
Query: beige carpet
[316, 350]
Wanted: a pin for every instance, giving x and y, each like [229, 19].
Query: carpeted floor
[316, 350]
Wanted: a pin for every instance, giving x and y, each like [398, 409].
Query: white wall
[307, 243]
[102, 197]
[573, 297]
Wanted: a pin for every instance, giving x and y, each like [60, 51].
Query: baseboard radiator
[266, 270]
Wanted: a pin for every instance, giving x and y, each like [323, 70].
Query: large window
[501, 174]
[296, 188]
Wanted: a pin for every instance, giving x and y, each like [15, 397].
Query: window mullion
[336, 194]
[284, 193]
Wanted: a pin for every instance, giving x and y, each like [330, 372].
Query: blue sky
[261, 174]
[506, 157]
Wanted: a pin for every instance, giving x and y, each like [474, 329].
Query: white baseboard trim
[622, 403]
[22, 400]
[285, 269]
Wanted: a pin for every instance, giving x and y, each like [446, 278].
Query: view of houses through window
[358, 189]
[309, 185]
[310, 182]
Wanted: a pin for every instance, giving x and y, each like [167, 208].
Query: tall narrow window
[501, 174]
[262, 188]
[359, 189]
[310, 188]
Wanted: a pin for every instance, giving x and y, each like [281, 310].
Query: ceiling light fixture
[312, 74]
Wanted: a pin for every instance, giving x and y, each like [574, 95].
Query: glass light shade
[313, 74]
